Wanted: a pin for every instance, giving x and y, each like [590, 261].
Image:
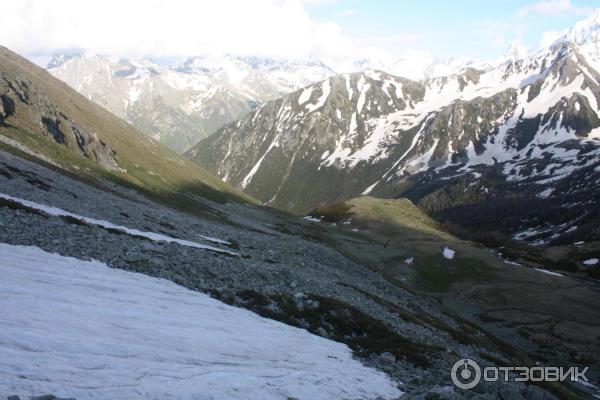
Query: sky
[335, 31]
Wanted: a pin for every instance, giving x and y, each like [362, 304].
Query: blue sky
[474, 29]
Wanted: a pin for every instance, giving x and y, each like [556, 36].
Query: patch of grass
[437, 274]
[189, 198]
[332, 212]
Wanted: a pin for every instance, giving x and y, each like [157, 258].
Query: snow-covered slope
[531, 120]
[80, 329]
[180, 105]
[583, 32]
[259, 73]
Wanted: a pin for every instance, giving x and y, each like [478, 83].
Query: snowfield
[81, 329]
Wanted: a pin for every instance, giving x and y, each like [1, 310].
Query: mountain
[470, 148]
[46, 119]
[515, 53]
[178, 105]
[265, 75]
[182, 103]
[585, 32]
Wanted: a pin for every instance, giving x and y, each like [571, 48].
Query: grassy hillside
[393, 212]
[500, 293]
[406, 242]
[44, 117]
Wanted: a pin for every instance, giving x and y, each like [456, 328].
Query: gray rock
[387, 358]
[322, 332]
[50, 397]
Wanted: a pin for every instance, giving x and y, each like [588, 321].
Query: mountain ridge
[178, 105]
[533, 120]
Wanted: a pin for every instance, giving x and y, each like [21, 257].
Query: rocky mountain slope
[46, 119]
[179, 105]
[468, 148]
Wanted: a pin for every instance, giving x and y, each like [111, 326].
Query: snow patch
[325, 91]
[512, 263]
[311, 218]
[545, 271]
[157, 237]
[256, 166]
[369, 189]
[81, 329]
[546, 193]
[448, 253]
[305, 95]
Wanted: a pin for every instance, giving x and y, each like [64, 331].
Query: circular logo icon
[466, 374]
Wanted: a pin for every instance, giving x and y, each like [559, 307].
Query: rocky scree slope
[524, 133]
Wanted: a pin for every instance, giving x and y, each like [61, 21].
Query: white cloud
[407, 38]
[554, 7]
[174, 28]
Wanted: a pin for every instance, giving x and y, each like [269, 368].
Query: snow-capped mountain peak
[59, 59]
[515, 52]
[583, 32]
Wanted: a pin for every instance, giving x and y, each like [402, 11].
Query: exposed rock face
[7, 107]
[18, 99]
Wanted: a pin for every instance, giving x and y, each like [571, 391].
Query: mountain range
[397, 175]
[180, 104]
[524, 132]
